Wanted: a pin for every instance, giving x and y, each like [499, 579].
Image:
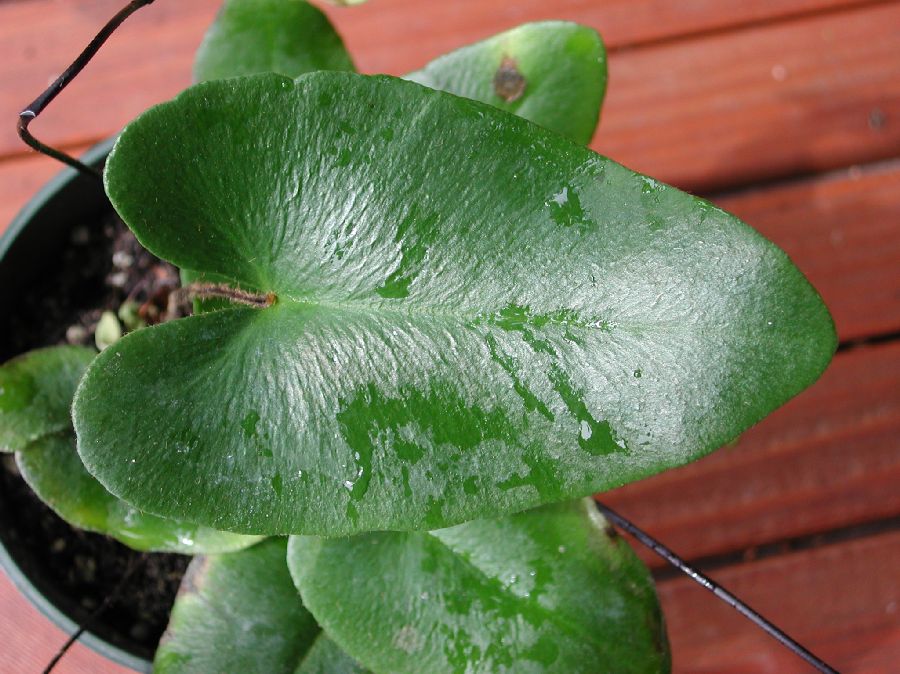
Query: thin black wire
[716, 589]
[107, 602]
[31, 112]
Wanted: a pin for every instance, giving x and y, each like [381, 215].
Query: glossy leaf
[552, 73]
[326, 657]
[54, 472]
[289, 37]
[237, 613]
[549, 590]
[36, 392]
[474, 316]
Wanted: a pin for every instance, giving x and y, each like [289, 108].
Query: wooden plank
[841, 601]
[721, 110]
[843, 230]
[396, 36]
[830, 458]
[146, 62]
[784, 99]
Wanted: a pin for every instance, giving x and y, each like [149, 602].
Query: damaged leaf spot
[509, 83]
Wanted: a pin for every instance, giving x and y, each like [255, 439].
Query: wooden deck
[786, 112]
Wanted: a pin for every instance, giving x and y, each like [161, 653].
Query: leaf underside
[549, 590]
[474, 316]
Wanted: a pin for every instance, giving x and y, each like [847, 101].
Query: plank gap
[786, 546]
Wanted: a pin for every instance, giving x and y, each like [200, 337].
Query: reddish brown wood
[751, 94]
[724, 109]
[734, 108]
[841, 601]
[843, 230]
[388, 34]
[828, 459]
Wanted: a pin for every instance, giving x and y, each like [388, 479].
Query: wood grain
[387, 34]
[733, 108]
[828, 459]
[841, 601]
[772, 99]
[709, 95]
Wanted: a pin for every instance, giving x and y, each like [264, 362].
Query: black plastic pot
[30, 253]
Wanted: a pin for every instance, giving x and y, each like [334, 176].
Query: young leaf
[237, 613]
[36, 392]
[549, 590]
[474, 316]
[54, 472]
[326, 657]
[552, 73]
[288, 37]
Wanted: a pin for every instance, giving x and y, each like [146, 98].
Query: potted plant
[424, 329]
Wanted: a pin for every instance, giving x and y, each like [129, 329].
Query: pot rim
[13, 571]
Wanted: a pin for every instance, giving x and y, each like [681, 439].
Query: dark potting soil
[101, 268]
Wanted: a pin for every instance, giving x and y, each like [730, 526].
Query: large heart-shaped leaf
[237, 613]
[36, 392]
[474, 315]
[289, 37]
[54, 472]
[552, 73]
[550, 590]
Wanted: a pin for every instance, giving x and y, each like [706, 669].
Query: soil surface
[102, 268]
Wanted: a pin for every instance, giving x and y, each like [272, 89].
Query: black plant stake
[37, 106]
[716, 589]
[109, 601]
[41, 102]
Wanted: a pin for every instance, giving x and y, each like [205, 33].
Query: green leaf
[326, 657]
[54, 472]
[550, 590]
[288, 37]
[552, 73]
[237, 613]
[474, 316]
[36, 392]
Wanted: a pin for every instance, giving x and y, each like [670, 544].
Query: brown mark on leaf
[194, 577]
[611, 533]
[509, 83]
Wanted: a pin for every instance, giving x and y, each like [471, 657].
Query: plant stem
[208, 291]
[36, 107]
